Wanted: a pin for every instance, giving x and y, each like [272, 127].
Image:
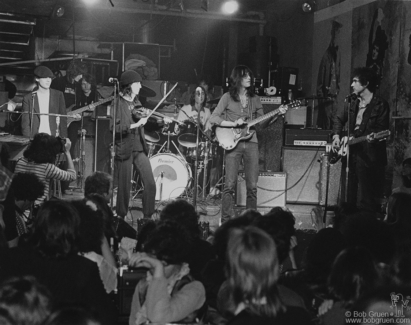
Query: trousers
[248, 152]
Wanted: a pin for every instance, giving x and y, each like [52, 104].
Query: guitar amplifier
[271, 189]
[307, 137]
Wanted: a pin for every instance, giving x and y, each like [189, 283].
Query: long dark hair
[56, 229]
[238, 73]
[253, 271]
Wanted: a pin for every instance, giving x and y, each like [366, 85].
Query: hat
[43, 72]
[128, 77]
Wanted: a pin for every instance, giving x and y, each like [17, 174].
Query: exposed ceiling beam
[189, 13]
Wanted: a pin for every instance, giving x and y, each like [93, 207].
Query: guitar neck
[93, 105]
[263, 117]
[357, 140]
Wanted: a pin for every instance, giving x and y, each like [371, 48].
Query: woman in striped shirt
[39, 159]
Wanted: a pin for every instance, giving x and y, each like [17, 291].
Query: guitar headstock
[293, 104]
[382, 135]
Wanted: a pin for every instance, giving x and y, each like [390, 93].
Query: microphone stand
[196, 162]
[31, 114]
[112, 148]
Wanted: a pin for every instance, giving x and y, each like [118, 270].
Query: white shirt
[44, 101]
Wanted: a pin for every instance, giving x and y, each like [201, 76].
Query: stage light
[230, 7]
[60, 12]
[308, 6]
[90, 2]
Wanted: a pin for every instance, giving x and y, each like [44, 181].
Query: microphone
[198, 90]
[34, 93]
[112, 80]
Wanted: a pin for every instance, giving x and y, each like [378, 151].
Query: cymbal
[151, 136]
[214, 101]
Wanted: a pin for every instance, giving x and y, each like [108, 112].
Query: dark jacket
[56, 105]
[375, 119]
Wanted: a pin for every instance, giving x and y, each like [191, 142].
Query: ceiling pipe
[189, 13]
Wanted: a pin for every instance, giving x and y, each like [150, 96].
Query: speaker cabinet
[270, 192]
[303, 168]
[103, 141]
[331, 174]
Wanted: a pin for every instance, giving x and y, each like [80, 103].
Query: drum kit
[173, 170]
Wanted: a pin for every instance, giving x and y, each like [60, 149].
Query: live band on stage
[187, 144]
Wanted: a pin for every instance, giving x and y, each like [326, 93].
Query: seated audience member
[405, 187]
[214, 272]
[169, 293]
[25, 189]
[51, 255]
[311, 282]
[283, 233]
[353, 274]
[398, 219]
[93, 244]
[72, 315]
[101, 183]
[39, 159]
[365, 230]
[184, 213]
[253, 271]
[24, 301]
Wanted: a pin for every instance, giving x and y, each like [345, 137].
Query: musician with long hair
[234, 109]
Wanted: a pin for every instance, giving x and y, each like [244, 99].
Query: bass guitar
[89, 107]
[335, 155]
[228, 137]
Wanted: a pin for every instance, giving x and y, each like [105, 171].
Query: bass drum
[171, 174]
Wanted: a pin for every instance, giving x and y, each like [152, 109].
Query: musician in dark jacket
[131, 148]
[368, 114]
[235, 108]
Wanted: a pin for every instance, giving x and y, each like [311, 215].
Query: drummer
[198, 102]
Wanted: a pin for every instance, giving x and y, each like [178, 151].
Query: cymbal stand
[196, 163]
[205, 168]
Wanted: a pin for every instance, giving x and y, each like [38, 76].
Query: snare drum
[171, 175]
[203, 148]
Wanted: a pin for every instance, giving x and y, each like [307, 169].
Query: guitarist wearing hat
[234, 109]
[368, 116]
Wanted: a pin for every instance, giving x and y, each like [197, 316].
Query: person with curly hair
[25, 189]
[39, 159]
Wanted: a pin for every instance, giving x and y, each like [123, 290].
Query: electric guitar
[228, 137]
[335, 155]
[89, 107]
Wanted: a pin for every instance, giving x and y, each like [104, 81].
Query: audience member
[25, 189]
[169, 293]
[24, 301]
[51, 255]
[398, 219]
[214, 272]
[40, 158]
[353, 274]
[72, 315]
[405, 186]
[93, 244]
[101, 183]
[253, 271]
[184, 213]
